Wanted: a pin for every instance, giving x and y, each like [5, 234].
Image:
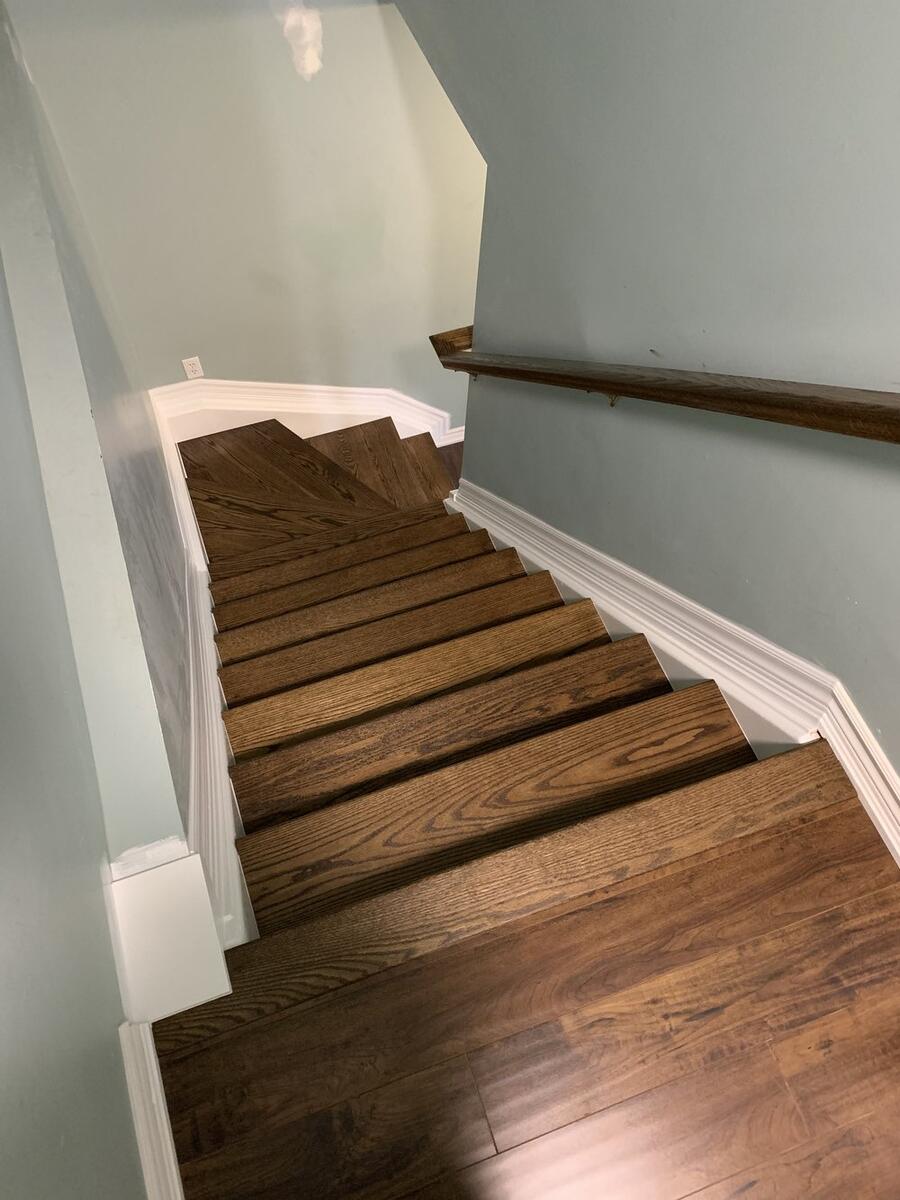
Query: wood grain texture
[412, 740]
[862, 1162]
[853, 411]
[296, 965]
[360, 608]
[723, 1006]
[293, 570]
[374, 453]
[327, 859]
[661, 1145]
[275, 460]
[409, 678]
[375, 1147]
[452, 458]
[378, 640]
[356, 578]
[529, 973]
[315, 543]
[428, 465]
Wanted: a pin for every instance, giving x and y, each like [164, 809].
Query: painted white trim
[152, 1128]
[779, 697]
[199, 406]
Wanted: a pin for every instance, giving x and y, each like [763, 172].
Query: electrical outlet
[193, 368]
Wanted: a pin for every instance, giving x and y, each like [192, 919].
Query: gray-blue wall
[708, 186]
[65, 1126]
[311, 232]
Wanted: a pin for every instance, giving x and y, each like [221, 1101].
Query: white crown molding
[779, 697]
[153, 1130]
[325, 408]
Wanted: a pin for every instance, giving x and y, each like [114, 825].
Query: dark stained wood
[452, 457]
[296, 965]
[374, 454]
[375, 1147]
[477, 719]
[665, 1143]
[680, 1022]
[359, 608]
[293, 570]
[296, 547]
[356, 578]
[853, 411]
[452, 341]
[428, 465]
[383, 686]
[529, 973]
[327, 859]
[275, 460]
[378, 640]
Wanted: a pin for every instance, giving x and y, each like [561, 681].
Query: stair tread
[298, 779]
[408, 678]
[429, 465]
[228, 519]
[360, 608]
[293, 966]
[374, 454]
[293, 570]
[356, 578]
[333, 856]
[336, 653]
[317, 543]
[272, 458]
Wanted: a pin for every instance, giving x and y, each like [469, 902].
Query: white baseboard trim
[149, 1113]
[779, 697]
[199, 406]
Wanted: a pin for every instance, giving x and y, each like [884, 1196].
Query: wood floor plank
[360, 608]
[293, 570]
[412, 740]
[530, 972]
[375, 1147]
[378, 640]
[374, 453]
[328, 858]
[862, 1162]
[452, 458]
[382, 686]
[429, 465]
[356, 578]
[664, 1144]
[315, 543]
[722, 1006]
[846, 1066]
[292, 967]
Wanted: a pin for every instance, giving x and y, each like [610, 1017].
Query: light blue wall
[65, 1128]
[114, 530]
[702, 185]
[312, 232]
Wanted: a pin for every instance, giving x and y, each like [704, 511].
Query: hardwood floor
[533, 924]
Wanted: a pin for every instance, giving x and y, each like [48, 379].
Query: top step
[429, 465]
[266, 459]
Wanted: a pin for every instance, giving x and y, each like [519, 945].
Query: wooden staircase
[532, 924]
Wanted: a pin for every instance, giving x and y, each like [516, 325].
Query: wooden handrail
[852, 411]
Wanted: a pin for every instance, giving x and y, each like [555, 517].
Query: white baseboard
[151, 1118]
[779, 698]
[200, 406]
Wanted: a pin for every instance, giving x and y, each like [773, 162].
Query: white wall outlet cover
[193, 368]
